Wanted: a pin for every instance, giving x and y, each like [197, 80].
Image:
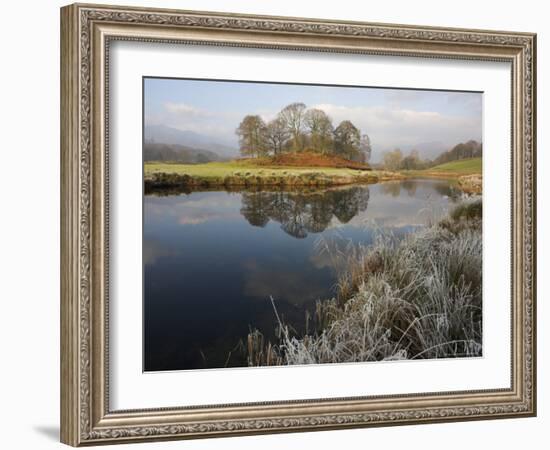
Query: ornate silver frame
[86, 32]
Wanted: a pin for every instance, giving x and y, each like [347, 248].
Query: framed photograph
[276, 224]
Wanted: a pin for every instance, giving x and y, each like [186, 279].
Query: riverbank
[246, 174]
[415, 298]
[453, 169]
[467, 173]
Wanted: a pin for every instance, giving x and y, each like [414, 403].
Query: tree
[202, 158]
[320, 130]
[470, 149]
[293, 118]
[412, 161]
[346, 140]
[393, 159]
[276, 135]
[365, 148]
[252, 136]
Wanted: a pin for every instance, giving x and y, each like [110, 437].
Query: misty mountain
[186, 138]
[177, 153]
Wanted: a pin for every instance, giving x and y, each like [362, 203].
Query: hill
[464, 150]
[460, 167]
[177, 153]
[309, 159]
[187, 138]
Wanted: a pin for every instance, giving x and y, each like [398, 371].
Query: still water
[212, 260]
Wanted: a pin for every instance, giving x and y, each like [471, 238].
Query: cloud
[390, 127]
[220, 125]
[267, 115]
[199, 217]
[192, 210]
[153, 250]
[278, 281]
[182, 109]
[404, 118]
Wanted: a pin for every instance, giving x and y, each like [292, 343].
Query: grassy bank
[462, 167]
[415, 298]
[248, 173]
[467, 172]
[453, 169]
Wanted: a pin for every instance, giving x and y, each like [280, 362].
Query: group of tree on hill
[297, 129]
[396, 160]
[470, 149]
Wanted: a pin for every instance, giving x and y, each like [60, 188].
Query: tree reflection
[300, 213]
[447, 189]
[392, 188]
[444, 188]
[410, 186]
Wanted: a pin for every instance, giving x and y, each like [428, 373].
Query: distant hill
[463, 167]
[177, 153]
[186, 138]
[465, 150]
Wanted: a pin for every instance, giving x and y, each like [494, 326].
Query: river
[212, 260]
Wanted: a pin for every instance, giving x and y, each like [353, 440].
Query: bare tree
[276, 134]
[412, 161]
[252, 136]
[365, 148]
[293, 118]
[346, 140]
[320, 130]
[393, 159]
[470, 149]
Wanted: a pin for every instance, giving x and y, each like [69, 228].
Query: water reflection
[441, 187]
[300, 213]
[213, 259]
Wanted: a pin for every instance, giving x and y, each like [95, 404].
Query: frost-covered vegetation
[417, 297]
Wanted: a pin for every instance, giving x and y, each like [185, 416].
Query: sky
[393, 118]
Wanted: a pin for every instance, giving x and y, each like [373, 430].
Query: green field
[246, 173]
[453, 169]
[222, 169]
[461, 167]
[251, 173]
